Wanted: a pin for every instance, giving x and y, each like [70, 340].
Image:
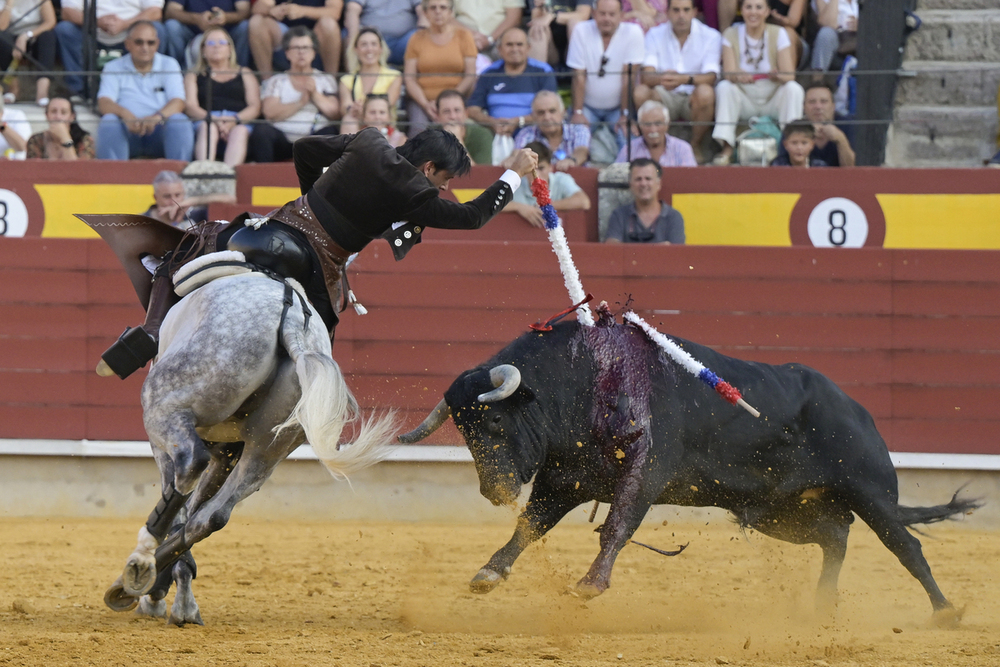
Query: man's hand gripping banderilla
[523, 161]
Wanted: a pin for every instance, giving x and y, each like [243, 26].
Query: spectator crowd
[593, 81]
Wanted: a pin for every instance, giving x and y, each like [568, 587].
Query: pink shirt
[677, 153]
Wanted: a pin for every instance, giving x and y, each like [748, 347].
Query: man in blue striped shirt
[503, 95]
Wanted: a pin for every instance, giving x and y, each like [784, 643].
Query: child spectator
[566, 194]
[798, 139]
[375, 113]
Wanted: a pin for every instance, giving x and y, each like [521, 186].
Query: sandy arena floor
[302, 593]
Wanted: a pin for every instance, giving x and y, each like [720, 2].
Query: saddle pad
[207, 268]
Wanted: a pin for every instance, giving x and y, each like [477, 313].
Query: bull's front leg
[546, 506]
[633, 496]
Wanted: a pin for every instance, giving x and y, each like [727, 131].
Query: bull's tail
[327, 406]
[956, 507]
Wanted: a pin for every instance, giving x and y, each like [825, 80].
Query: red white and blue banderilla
[557, 236]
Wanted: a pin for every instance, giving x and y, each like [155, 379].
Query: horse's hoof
[147, 607]
[117, 599]
[139, 575]
[948, 617]
[181, 621]
[485, 581]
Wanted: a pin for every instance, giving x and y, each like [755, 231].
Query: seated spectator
[647, 219]
[655, 142]
[114, 19]
[172, 205]
[187, 21]
[220, 90]
[790, 16]
[569, 142]
[26, 28]
[645, 13]
[438, 57]
[758, 82]
[15, 130]
[832, 142]
[552, 25]
[488, 21]
[394, 20]
[683, 58]
[375, 113]
[838, 28]
[270, 21]
[65, 139]
[372, 77]
[299, 102]
[565, 193]
[503, 95]
[141, 100]
[600, 53]
[798, 139]
[477, 139]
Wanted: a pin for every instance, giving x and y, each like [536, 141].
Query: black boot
[136, 347]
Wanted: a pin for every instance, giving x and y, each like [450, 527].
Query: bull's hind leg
[882, 518]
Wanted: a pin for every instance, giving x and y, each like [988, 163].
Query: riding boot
[135, 347]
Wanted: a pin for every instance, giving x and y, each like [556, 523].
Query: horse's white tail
[327, 405]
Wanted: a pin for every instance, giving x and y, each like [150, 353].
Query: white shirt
[845, 9]
[19, 123]
[123, 9]
[701, 53]
[26, 14]
[307, 119]
[748, 48]
[586, 50]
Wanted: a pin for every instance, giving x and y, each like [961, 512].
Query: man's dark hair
[644, 162]
[299, 31]
[439, 147]
[543, 151]
[448, 94]
[820, 84]
[799, 127]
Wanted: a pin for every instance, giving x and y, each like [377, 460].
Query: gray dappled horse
[244, 375]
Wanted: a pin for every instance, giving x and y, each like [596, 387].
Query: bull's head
[489, 410]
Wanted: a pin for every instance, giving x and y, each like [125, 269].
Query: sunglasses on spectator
[604, 63]
[145, 42]
[216, 42]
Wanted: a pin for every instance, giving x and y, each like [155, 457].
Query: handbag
[758, 145]
[503, 145]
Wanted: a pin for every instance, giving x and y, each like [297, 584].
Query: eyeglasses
[145, 42]
[299, 48]
[216, 42]
[604, 63]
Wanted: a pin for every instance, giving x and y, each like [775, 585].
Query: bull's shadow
[599, 413]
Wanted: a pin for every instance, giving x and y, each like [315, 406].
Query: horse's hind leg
[174, 434]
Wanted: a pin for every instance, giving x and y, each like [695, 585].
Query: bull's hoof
[586, 590]
[139, 575]
[117, 599]
[153, 609]
[948, 617]
[486, 580]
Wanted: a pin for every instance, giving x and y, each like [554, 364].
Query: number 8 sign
[13, 214]
[838, 223]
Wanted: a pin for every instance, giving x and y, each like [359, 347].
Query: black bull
[542, 407]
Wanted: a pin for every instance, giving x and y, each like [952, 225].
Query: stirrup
[131, 352]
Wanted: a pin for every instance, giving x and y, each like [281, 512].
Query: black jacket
[367, 187]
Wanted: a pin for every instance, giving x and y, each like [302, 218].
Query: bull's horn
[438, 416]
[506, 379]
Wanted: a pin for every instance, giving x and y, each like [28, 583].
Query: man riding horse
[355, 188]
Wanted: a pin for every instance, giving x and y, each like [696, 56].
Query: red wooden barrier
[913, 335]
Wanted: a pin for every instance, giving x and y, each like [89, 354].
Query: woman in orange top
[438, 58]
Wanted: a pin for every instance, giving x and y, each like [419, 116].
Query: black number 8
[3, 219]
[837, 235]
